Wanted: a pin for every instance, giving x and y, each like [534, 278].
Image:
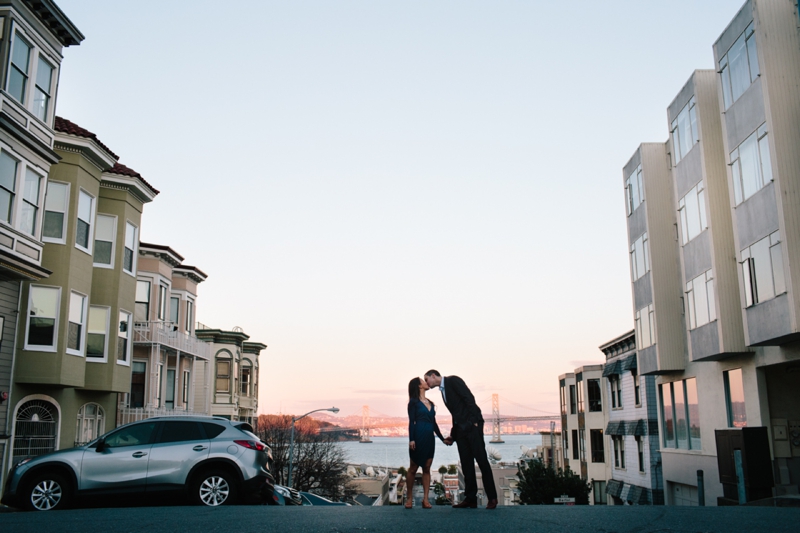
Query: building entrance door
[35, 430]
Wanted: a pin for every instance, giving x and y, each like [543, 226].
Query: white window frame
[103, 359]
[37, 223]
[92, 215]
[162, 301]
[49, 95]
[43, 348]
[691, 116]
[37, 51]
[135, 261]
[764, 164]
[645, 323]
[129, 345]
[642, 242]
[65, 226]
[748, 270]
[704, 282]
[697, 197]
[113, 240]
[82, 350]
[634, 190]
[189, 312]
[177, 322]
[15, 217]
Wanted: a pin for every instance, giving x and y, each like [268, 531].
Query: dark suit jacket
[461, 404]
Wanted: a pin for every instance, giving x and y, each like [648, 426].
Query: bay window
[43, 305]
[83, 235]
[223, 376]
[97, 332]
[104, 237]
[55, 212]
[77, 319]
[680, 414]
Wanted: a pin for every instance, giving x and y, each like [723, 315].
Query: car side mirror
[101, 445]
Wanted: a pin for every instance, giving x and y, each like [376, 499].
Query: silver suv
[215, 460]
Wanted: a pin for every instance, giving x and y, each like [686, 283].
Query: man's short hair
[433, 373]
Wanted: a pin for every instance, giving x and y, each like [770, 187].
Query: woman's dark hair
[413, 389]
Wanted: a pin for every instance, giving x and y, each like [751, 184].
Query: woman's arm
[436, 429]
[412, 421]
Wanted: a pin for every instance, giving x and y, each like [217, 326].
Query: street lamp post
[333, 410]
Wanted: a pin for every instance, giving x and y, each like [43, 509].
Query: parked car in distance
[212, 460]
[315, 499]
[286, 496]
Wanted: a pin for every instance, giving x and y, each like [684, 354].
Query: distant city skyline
[377, 189]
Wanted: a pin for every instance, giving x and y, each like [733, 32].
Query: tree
[441, 496]
[319, 461]
[442, 470]
[452, 469]
[540, 484]
[402, 471]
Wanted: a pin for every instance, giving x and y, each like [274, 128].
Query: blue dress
[421, 427]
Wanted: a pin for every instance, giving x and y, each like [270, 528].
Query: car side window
[135, 435]
[212, 430]
[181, 432]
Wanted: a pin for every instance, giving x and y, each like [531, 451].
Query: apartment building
[583, 421]
[234, 374]
[714, 232]
[549, 451]
[31, 46]
[73, 350]
[169, 367]
[633, 463]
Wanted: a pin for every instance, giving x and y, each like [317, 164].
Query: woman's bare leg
[410, 475]
[426, 481]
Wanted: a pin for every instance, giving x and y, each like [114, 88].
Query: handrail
[166, 333]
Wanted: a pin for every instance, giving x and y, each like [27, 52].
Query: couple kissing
[467, 433]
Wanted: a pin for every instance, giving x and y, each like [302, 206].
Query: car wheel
[214, 488]
[47, 492]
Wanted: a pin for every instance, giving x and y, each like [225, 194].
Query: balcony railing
[131, 414]
[167, 334]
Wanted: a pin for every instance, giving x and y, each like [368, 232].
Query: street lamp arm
[331, 409]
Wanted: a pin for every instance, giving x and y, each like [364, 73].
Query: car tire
[213, 488]
[47, 492]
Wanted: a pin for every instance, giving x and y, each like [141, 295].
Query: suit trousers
[471, 448]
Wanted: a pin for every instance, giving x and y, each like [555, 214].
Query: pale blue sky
[377, 188]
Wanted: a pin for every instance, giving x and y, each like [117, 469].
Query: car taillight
[252, 445]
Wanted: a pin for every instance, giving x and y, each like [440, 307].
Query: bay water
[392, 452]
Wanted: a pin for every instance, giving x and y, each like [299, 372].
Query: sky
[379, 188]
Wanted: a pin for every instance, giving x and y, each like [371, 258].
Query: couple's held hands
[412, 445]
[448, 441]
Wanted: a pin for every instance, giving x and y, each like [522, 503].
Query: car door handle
[139, 454]
[199, 448]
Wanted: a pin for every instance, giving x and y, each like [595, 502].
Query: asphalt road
[379, 519]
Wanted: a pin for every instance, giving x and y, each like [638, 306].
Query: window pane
[31, 187]
[684, 131]
[76, 308]
[134, 435]
[700, 300]
[712, 303]
[130, 236]
[748, 160]
[8, 171]
[16, 84]
[740, 70]
[98, 319]
[44, 302]
[174, 309]
[143, 291]
[27, 222]
[181, 432]
[95, 345]
[777, 268]
[85, 207]
[56, 198]
[752, 56]
[726, 86]
[666, 416]
[40, 102]
[21, 55]
[737, 182]
[82, 234]
[102, 252]
[105, 228]
[44, 75]
[694, 414]
[737, 417]
[127, 260]
[760, 256]
[692, 214]
[595, 396]
[747, 281]
[681, 428]
[766, 161]
[53, 223]
[74, 336]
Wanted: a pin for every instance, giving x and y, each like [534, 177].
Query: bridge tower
[363, 432]
[496, 436]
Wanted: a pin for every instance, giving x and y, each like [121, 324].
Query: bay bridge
[520, 413]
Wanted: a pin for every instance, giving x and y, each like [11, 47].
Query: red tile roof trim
[121, 169]
[65, 126]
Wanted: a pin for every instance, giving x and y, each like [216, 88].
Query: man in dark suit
[467, 433]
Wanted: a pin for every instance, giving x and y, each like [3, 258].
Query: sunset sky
[380, 188]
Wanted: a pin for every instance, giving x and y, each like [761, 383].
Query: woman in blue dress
[421, 427]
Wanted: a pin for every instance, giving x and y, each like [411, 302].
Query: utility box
[756, 463]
